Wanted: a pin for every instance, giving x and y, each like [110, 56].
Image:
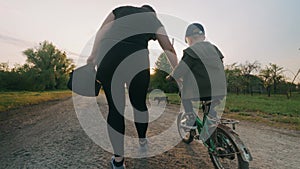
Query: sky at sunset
[264, 30]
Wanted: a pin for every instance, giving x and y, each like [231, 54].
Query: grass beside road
[276, 110]
[274, 105]
[13, 100]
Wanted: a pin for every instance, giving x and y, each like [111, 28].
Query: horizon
[267, 31]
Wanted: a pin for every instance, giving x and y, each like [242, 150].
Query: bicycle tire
[224, 142]
[188, 137]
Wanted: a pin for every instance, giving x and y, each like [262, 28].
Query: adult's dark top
[134, 25]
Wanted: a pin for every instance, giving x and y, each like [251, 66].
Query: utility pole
[293, 82]
[290, 88]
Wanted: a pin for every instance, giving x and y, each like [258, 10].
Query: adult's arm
[106, 25]
[185, 66]
[219, 53]
[164, 42]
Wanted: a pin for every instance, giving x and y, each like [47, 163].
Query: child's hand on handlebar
[169, 78]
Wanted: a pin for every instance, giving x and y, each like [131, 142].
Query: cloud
[23, 43]
[15, 41]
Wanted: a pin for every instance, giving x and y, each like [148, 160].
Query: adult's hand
[91, 60]
[166, 45]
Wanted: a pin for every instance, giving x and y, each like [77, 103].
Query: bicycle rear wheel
[226, 153]
[187, 134]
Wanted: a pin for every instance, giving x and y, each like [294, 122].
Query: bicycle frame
[243, 150]
[200, 124]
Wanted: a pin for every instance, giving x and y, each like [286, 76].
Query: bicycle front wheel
[187, 134]
[225, 154]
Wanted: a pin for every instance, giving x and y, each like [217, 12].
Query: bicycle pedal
[188, 127]
[197, 137]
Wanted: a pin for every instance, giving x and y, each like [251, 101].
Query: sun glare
[152, 70]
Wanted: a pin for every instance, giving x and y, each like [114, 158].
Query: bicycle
[225, 147]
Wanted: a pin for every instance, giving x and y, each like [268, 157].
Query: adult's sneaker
[143, 144]
[113, 166]
[190, 120]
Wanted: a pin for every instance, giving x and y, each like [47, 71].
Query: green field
[276, 110]
[13, 100]
[274, 105]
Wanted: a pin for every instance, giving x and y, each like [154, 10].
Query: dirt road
[49, 136]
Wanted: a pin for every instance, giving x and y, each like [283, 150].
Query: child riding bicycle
[201, 72]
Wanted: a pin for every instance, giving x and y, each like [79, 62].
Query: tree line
[244, 78]
[46, 68]
[249, 78]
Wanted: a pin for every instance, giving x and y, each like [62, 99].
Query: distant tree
[4, 67]
[272, 75]
[256, 84]
[289, 93]
[9, 79]
[47, 66]
[265, 74]
[235, 80]
[158, 79]
[4, 70]
[276, 75]
[248, 68]
[163, 63]
[247, 71]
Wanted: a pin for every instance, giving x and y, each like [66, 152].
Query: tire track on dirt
[49, 136]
